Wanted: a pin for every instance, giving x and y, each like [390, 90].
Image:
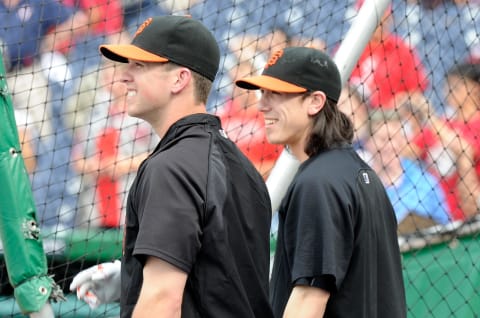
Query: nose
[262, 104]
[125, 75]
[125, 78]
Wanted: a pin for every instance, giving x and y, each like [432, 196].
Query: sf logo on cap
[143, 26]
[274, 58]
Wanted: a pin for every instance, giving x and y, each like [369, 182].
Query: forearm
[162, 290]
[306, 302]
[157, 306]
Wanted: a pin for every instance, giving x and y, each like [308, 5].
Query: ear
[183, 76]
[316, 101]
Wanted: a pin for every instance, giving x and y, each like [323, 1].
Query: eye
[269, 92]
[136, 64]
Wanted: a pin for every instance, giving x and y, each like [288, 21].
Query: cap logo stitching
[319, 62]
[274, 58]
[143, 26]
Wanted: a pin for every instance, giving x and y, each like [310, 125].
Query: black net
[414, 98]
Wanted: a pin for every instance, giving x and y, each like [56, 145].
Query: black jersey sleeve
[325, 282]
[319, 229]
[171, 202]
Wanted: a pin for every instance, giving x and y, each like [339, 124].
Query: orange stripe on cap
[124, 52]
[269, 83]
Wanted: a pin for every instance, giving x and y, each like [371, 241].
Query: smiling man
[198, 214]
[337, 251]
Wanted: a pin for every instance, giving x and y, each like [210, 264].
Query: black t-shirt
[337, 226]
[199, 204]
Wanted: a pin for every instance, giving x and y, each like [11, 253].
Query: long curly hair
[330, 127]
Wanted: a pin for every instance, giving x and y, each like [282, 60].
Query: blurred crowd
[414, 97]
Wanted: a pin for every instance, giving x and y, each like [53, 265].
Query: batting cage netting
[69, 151]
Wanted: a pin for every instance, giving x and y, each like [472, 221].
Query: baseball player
[198, 213]
[337, 252]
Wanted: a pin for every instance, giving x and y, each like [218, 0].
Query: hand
[99, 284]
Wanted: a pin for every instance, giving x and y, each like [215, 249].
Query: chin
[274, 141]
[132, 113]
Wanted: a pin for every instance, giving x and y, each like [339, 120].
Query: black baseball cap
[179, 39]
[297, 70]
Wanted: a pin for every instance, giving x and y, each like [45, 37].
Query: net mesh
[414, 98]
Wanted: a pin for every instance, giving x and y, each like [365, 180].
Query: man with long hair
[337, 251]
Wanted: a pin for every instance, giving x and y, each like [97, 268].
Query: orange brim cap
[172, 38]
[269, 83]
[298, 70]
[124, 52]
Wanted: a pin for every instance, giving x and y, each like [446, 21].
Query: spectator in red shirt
[387, 66]
[450, 146]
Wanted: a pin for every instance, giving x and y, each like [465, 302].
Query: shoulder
[187, 151]
[334, 162]
[333, 172]
[186, 155]
[343, 173]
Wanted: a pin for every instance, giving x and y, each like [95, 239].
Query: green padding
[24, 256]
[33, 294]
[71, 308]
[22, 246]
[441, 280]
[444, 280]
[93, 245]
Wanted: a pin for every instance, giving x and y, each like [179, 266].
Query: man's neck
[161, 127]
[298, 151]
